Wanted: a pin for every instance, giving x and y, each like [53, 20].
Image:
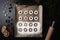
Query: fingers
[6, 34]
[53, 23]
[50, 31]
[4, 31]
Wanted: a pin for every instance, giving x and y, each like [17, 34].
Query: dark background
[51, 11]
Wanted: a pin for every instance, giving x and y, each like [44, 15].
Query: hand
[4, 31]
